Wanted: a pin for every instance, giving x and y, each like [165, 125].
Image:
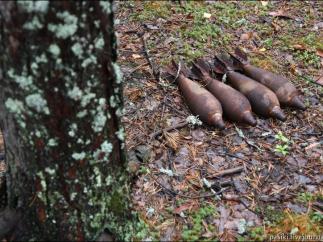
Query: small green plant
[317, 217]
[268, 43]
[143, 170]
[312, 40]
[283, 147]
[280, 136]
[256, 233]
[305, 197]
[309, 58]
[144, 232]
[191, 53]
[195, 229]
[286, 41]
[272, 215]
[152, 10]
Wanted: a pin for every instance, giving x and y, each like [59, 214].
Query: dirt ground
[242, 183]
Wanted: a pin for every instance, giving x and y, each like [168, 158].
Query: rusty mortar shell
[199, 100]
[285, 91]
[236, 106]
[262, 99]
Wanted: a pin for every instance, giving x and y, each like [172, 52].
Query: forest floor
[243, 183]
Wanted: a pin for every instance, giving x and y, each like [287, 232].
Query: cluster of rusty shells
[249, 89]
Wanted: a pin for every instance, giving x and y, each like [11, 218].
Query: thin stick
[308, 79]
[173, 193]
[178, 71]
[229, 171]
[175, 109]
[155, 72]
[234, 156]
[136, 68]
[176, 126]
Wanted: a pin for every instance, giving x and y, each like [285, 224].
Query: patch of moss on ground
[272, 215]
[265, 62]
[152, 10]
[308, 58]
[144, 232]
[253, 234]
[195, 229]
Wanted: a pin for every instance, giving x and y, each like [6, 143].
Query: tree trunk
[60, 109]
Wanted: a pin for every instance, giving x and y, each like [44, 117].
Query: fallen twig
[176, 110]
[178, 71]
[136, 68]
[156, 73]
[173, 193]
[234, 156]
[308, 79]
[176, 126]
[229, 171]
[240, 133]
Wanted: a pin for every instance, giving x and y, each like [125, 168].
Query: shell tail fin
[170, 73]
[174, 70]
[239, 58]
[224, 62]
[201, 69]
[241, 55]
[218, 66]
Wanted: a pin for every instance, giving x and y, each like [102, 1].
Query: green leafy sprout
[283, 147]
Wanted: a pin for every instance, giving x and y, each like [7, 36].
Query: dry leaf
[172, 139]
[320, 80]
[246, 36]
[319, 52]
[207, 15]
[299, 47]
[294, 70]
[228, 235]
[264, 3]
[136, 56]
[276, 26]
[183, 208]
[280, 13]
[209, 234]
[190, 16]
[262, 49]
[1, 141]
[134, 94]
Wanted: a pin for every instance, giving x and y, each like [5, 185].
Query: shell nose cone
[278, 113]
[220, 124]
[248, 118]
[297, 103]
[217, 121]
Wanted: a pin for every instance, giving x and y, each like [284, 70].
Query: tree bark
[60, 108]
